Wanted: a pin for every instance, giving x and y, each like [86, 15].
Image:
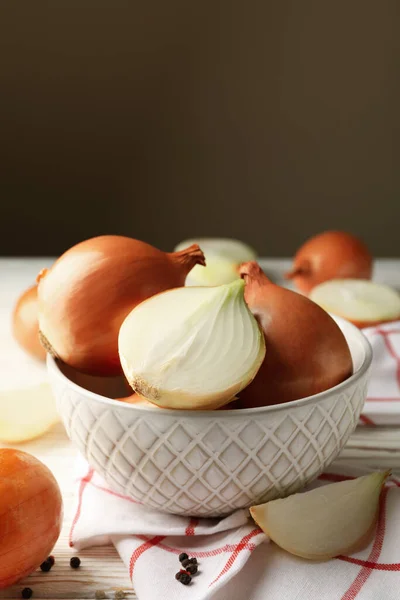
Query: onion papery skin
[31, 514]
[25, 324]
[306, 352]
[88, 292]
[330, 255]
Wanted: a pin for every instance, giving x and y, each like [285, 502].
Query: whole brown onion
[330, 255]
[31, 512]
[88, 292]
[306, 352]
[25, 324]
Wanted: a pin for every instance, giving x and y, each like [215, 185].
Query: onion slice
[362, 302]
[26, 413]
[334, 519]
[191, 348]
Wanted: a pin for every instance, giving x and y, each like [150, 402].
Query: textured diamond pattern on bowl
[206, 465]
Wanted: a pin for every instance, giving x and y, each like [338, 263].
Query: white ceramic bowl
[213, 462]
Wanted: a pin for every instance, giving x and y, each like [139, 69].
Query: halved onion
[362, 302]
[230, 249]
[217, 271]
[191, 347]
[334, 519]
[223, 257]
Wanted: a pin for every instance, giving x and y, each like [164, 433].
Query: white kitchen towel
[236, 561]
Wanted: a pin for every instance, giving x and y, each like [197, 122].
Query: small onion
[31, 514]
[330, 255]
[306, 352]
[88, 292]
[25, 324]
[192, 347]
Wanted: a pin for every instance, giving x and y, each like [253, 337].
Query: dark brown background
[266, 121]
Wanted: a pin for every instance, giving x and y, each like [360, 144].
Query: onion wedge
[334, 519]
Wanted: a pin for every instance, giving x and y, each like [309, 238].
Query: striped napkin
[236, 559]
[383, 403]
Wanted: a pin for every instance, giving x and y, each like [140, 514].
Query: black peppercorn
[185, 578]
[186, 562]
[192, 569]
[75, 562]
[26, 593]
[193, 560]
[46, 565]
[178, 575]
[183, 556]
[52, 560]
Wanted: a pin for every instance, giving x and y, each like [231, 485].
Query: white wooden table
[101, 568]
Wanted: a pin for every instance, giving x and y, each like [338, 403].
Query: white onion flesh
[192, 347]
[26, 413]
[216, 272]
[358, 300]
[230, 249]
[334, 519]
[27, 404]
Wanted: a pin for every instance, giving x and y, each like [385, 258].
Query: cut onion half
[192, 347]
[223, 257]
[217, 271]
[337, 518]
[362, 302]
[230, 249]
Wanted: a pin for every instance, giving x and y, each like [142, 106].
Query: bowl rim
[54, 368]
